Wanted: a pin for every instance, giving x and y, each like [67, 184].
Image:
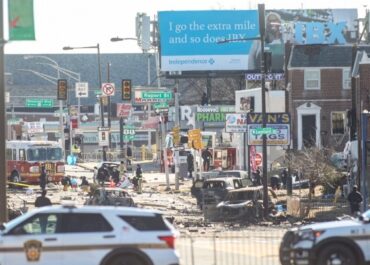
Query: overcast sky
[60, 23]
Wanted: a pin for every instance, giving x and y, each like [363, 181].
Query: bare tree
[314, 164]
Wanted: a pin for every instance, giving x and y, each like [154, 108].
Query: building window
[346, 78]
[337, 123]
[312, 79]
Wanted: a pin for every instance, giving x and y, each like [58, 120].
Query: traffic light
[126, 89]
[62, 89]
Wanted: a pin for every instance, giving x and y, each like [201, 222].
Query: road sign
[128, 133]
[103, 138]
[267, 130]
[176, 135]
[123, 110]
[14, 121]
[157, 95]
[195, 139]
[108, 89]
[103, 129]
[39, 103]
[159, 111]
[280, 134]
[152, 96]
[82, 90]
[161, 105]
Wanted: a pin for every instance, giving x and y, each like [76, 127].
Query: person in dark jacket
[43, 177]
[355, 199]
[139, 178]
[42, 200]
[257, 178]
[190, 162]
[207, 156]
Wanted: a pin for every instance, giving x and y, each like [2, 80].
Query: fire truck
[24, 160]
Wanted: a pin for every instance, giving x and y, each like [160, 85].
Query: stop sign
[258, 159]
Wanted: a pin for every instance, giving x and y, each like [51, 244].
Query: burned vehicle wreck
[110, 196]
[245, 204]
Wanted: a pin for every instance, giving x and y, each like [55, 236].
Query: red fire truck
[24, 160]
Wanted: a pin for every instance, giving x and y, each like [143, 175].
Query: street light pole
[61, 124]
[115, 39]
[100, 81]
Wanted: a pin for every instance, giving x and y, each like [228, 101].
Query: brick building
[319, 94]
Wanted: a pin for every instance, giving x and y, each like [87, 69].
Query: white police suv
[345, 242]
[88, 235]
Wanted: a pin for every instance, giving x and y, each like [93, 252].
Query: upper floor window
[338, 122]
[312, 79]
[346, 78]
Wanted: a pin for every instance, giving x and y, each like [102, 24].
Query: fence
[259, 246]
[318, 209]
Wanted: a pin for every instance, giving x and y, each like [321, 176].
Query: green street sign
[97, 92]
[157, 95]
[128, 133]
[160, 105]
[14, 121]
[263, 131]
[39, 103]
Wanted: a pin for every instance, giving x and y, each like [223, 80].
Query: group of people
[117, 176]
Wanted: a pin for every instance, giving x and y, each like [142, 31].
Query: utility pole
[165, 162]
[177, 125]
[3, 200]
[109, 108]
[261, 13]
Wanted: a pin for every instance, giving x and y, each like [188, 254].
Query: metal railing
[257, 246]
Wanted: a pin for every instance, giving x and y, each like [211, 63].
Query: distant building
[319, 87]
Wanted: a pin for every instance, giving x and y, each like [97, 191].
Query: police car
[344, 242]
[88, 235]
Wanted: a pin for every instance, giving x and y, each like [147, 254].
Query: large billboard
[192, 40]
[303, 27]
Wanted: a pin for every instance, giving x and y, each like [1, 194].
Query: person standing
[355, 199]
[43, 177]
[139, 178]
[42, 201]
[207, 156]
[190, 162]
[257, 177]
[122, 168]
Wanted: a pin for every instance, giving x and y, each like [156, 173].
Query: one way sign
[82, 90]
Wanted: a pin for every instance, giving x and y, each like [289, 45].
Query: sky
[79, 23]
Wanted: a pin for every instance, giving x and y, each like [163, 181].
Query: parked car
[96, 236]
[245, 204]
